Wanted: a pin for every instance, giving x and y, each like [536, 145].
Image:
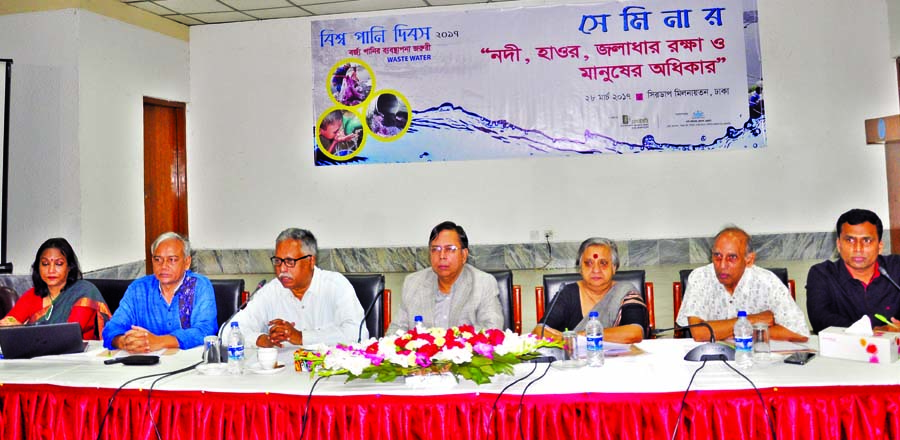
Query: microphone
[884, 272]
[366, 314]
[240, 307]
[548, 358]
[135, 359]
[709, 351]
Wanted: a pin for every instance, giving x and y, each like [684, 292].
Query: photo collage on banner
[609, 77]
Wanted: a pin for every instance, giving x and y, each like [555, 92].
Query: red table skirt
[44, 411]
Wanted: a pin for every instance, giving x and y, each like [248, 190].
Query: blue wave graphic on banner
[450, 132]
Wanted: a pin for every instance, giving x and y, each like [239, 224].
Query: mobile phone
[799, 358]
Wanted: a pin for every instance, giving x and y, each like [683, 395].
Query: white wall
[251, 170]
[76, 130]
[119, 64]
[894, 19]
[44, 180]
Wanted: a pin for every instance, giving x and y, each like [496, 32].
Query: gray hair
[307, 240]
[168, 236]
[732, 229]
[598, 241]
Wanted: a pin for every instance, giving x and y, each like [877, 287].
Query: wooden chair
[678, 293]
[554, 283]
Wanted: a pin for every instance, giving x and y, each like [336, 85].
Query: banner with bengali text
[606, 78]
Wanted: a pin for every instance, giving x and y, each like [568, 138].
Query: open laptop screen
[28, 341]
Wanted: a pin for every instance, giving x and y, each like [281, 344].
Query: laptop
[28, 341]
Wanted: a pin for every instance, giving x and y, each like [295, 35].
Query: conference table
[630, 397]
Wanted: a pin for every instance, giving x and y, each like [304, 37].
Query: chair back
[367, 287]
[8, 298]
[228, 298]
[510, 305]
[112, 290]
[555, 283]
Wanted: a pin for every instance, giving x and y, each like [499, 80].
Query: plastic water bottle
[743, 341]
[419, 326]
[235, 350]
[594, 333]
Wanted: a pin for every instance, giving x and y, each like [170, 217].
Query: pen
[885, 320]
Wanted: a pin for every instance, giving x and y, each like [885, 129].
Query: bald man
[731, 283]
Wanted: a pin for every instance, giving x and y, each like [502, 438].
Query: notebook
[28, 341]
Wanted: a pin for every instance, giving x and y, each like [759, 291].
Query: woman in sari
[620, 305]
[59, 294]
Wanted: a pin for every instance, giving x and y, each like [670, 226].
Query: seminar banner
[611, 77]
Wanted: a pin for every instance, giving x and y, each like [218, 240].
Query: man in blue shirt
[173, 308]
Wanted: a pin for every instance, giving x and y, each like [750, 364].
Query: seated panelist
[620, 305]
[838, 293]
[173, 308]
[450, 292]
[304, 304]
[59, 294]
[715, 293]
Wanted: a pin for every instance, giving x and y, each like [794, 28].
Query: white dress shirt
[329, 313]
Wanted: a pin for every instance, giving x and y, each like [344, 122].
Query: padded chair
[510, 300]
[367, 287]
[8, 298]
[229, 297]
[554, 283]
[112, 290]
[678, 293]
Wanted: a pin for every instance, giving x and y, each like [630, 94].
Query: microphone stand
[223, 346]
[366, 314]
[884, 272]
[708, 351]
[548, 358]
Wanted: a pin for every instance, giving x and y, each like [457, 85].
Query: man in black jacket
[838, 293]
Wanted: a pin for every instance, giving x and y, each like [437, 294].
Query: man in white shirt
[304, 305]
[731, 283]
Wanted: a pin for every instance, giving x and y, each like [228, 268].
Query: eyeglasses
[289, 262]
[450, 249]
[170, 260]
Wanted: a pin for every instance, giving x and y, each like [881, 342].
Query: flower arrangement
[462, 351]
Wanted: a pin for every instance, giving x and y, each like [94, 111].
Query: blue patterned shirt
[189, 318]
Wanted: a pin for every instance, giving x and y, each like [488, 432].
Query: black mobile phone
[799, 358]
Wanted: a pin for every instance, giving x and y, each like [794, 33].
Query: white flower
[346, 360]
[455, 355]
[415, 344]
[387, 349]
[515, 344]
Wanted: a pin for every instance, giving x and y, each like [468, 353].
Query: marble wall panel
[516, 256]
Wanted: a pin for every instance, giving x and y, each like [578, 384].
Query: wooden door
[165, 171]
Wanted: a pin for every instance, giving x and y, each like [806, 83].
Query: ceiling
[199, 12]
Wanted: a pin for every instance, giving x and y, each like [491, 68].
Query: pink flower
[484, 349]
[375, 358]
[423, 360]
